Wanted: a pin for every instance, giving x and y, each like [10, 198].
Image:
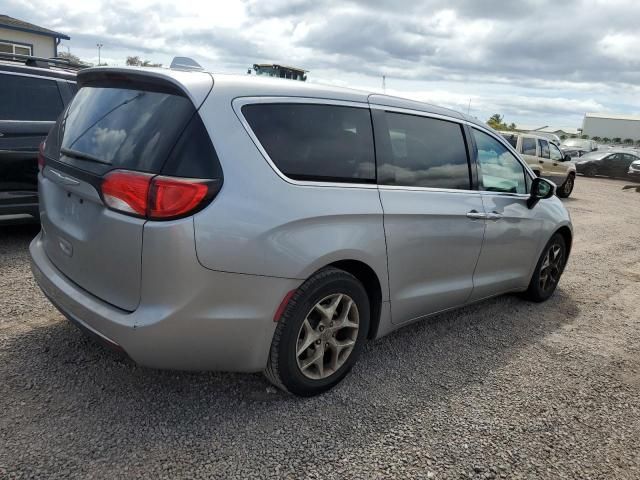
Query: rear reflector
[156, 197]
[283, 306]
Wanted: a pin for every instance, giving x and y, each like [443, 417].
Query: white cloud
[535, 61]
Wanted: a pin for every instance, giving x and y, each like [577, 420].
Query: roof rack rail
[32, 61]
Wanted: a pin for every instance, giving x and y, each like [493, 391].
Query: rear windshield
[148, 131]
[123, 128]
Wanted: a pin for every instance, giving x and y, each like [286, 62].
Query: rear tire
[320, 334]
[548, 270]
[567, 187]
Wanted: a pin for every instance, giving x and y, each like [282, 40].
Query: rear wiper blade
[81, 156]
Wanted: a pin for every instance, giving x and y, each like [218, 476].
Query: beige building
[23, 38]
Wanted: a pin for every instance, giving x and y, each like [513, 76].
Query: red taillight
[154, 197]
[173, 197]
[127, 191]
[41, 160]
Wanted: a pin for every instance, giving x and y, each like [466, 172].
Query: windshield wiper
[81, 156]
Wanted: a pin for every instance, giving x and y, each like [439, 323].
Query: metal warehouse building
[611, 126]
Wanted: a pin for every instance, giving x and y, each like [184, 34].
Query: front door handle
[493, 216]
[541, 161]
[476, 215]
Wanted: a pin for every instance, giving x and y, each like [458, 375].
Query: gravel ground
[502, 389]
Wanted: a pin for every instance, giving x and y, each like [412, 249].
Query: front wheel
[320, 334]
[567, 187]
[548, 270]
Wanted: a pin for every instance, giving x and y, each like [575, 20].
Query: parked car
[634, 170]
[34, 91]
[249, 224]
[552, 137]
[573, 153]
[579, 144]
[610, 163]
[545, 159]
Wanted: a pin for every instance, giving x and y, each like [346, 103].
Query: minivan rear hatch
[119, 120]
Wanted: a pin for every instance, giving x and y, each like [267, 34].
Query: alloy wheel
[327, 336]
[551, 268]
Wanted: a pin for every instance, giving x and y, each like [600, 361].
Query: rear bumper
[19, 212]
[211, 321]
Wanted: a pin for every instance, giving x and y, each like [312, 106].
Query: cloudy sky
[536, 62]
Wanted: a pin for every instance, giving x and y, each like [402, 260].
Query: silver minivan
[200, 221]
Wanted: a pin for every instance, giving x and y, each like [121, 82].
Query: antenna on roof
[185, 63]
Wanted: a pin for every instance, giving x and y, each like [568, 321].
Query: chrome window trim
[239, 102]
[428, 189]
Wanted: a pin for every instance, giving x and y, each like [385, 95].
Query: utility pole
[384, 83]
[99, 45]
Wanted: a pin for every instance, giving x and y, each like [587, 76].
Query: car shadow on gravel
[436, 355]
[60, 389]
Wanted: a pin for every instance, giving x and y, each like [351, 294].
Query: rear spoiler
[190, 84]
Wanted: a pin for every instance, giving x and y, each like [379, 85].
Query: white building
[22, 38]
[611, 126]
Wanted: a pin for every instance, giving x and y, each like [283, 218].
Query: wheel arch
[567, 235]
[369, 279]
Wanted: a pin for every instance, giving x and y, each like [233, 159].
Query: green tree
[584, 137]
[638, 143]
[563, 137]
[606, 140]
[138, 62]
[596, 139]
[496, 121]
[628, 141]
[616, 140]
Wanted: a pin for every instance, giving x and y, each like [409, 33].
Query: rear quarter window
[314, 141]
[29, 99]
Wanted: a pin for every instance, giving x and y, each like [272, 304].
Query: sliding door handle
[476, 215]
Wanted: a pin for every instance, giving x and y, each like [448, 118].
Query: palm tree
[606, 140]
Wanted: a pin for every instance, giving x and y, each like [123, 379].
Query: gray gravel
[503, 389]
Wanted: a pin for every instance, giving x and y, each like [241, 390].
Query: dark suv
[33, 92]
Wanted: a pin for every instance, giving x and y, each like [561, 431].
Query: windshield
[577, 142]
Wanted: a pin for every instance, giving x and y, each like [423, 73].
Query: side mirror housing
[567, 158]
[541, 188]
